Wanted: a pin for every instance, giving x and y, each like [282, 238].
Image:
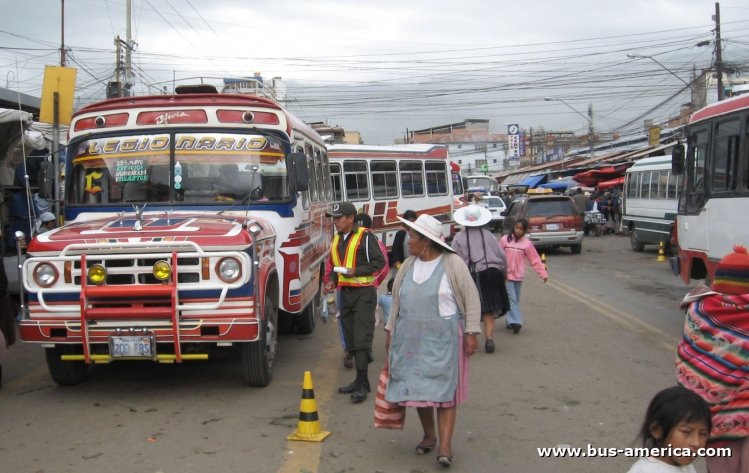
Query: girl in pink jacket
[518, 249]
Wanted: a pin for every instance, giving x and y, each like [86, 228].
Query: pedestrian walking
[486, 261]
[713, 357]
[399, 250]
[356, 258]
[677, 421]
[519, 249]
[431, 334]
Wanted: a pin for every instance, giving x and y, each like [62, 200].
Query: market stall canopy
[594, 176]
[604, 185]
[12, 123]
[561, 184]
[533, 181]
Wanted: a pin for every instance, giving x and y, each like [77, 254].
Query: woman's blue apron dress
[424, 346]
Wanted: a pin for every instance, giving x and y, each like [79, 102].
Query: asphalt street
[599, 341]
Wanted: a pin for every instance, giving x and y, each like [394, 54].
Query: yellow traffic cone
[543, 260]
[661, 254]
[308, 428]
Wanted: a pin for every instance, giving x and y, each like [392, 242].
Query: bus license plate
[140, 346]
[553, 226]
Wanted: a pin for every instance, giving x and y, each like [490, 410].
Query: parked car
[496, 205]
[553, 220]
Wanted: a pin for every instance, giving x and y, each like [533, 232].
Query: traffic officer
[356, 258]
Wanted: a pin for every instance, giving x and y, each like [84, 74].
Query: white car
[496, 205]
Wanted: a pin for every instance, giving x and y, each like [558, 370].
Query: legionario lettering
[223, 143]
[128, 145]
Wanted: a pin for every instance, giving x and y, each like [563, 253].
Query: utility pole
[62, 34]
[590, 129]
[718, 52]
[129, 46]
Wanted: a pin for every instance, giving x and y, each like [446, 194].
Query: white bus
[385, 181]
[715, 191]
[650, 201]
[194, 221]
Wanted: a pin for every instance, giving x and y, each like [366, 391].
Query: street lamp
[643, 56]
[589, 118]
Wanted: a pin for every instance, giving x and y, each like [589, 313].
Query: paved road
[598, 342]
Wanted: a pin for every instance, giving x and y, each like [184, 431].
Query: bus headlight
[229, 269]
[45, 274]
[162, 270]
[97, 274]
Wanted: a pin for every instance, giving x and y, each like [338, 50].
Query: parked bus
[649, 202]
[385, 181]
[192, 220]
[712, 211]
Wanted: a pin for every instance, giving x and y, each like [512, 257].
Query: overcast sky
[385, 66]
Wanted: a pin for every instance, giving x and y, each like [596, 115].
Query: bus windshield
[181, 168]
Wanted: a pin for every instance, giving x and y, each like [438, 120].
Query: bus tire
[258, 356]
[636, 244]
[305, 323]
[66, 373]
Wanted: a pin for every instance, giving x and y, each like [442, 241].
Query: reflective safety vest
[349, 260]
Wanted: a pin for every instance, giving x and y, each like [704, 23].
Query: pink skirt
[461, 392]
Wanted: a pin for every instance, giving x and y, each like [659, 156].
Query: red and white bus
[192, 220]
[712, 213]
[385, 181]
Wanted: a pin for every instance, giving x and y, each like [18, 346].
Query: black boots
[359, 388]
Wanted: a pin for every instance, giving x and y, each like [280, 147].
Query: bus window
[335, 182]
[355, 174]
[312, 170]
[724, 162]
[673, 186]
[633, 185]
[645, 185]
[412, 180]
[654, 180]
[695, 193]
[436, 173]
[384, 180]
[326, 176]
[663, 185]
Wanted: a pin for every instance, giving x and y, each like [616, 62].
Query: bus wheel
[258, 356]
[305, 323]
[636, 244]
[66, 373]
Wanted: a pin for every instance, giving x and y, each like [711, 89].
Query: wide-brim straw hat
[472, 216]
[429, 227]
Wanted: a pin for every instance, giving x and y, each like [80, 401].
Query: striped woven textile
[386, 414]
[713, 361]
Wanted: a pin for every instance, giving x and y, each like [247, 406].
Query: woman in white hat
[487, 263]
[432, 332]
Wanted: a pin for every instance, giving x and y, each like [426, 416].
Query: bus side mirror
[677, 160]
[301, 175]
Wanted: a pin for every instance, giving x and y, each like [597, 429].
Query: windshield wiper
[246, 199]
